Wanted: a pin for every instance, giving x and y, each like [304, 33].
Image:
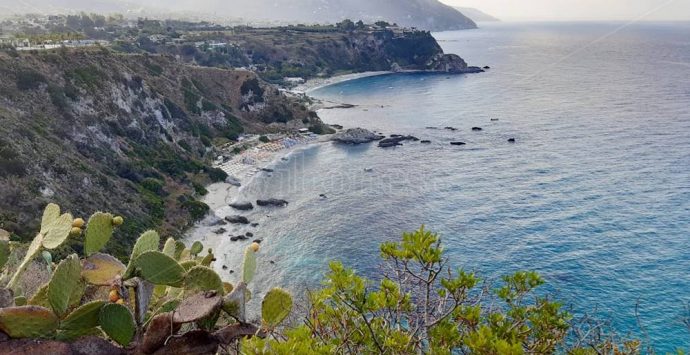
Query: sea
[594, 194]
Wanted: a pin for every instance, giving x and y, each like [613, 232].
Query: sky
[651, 10]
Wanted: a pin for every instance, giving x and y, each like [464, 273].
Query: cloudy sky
[581, 9]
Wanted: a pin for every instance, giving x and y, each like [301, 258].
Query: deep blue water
[595, 194]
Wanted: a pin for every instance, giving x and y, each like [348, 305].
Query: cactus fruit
[113, 296]
[118, 220]
[159, 269]
[28, 322]
[196, 248]
[101, 269]
[75, 231]
[275, 307]
[98, 232]
[78, 223]
[117, 322]
[64, 282]
[249, 265]
[202, 278]
[148, 241]
[120, 301]
[169, 247]
[255, 246]
[84, 317]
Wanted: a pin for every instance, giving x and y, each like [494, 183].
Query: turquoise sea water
[595, 194]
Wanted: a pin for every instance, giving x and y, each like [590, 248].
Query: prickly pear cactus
[197, 248]
[20, 301]
[48, 258]
[102, 269]
[99, 229]
[202, 278]
[57, 232]
[40, 298]
[189, 264]
[65, 280]
[33, 250]
[28, 322]
[50, 214]
[84, 317]
[148, 241]
[275, 307]
[249, 265]
[159, 269]
[117, 322]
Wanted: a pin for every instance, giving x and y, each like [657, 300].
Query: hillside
[129, 133]
[476, 15]
[424, 14]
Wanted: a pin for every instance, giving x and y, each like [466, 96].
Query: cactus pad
[99, 229]
[4, 252]
[64, 282]
[20, 301]
[50, 214]
[208, 259]
[84, 317]
[201, 278]
[102, 269]
[189, 264]
[169, 247]
[197, 307]
[197, 248]
[117, 322]
[249, 265]
[40, 298]
[148, 241]
[179, 247]
[57, 232]
[159, 269]
[275, 307]
[28, 322]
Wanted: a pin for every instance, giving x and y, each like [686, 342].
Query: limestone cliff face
[131, 134]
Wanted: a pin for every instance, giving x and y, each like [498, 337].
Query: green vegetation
[30, 80]
[161, 293]
[264, 139]
[89, 77]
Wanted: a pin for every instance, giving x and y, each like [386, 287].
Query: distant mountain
[423, 14]
[476, 15]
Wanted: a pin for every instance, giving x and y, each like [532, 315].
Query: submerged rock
[242, 206]
[272, 202]
[237, 219]
[356, 136]
[458, 143]
[220, 231]
[477, 129]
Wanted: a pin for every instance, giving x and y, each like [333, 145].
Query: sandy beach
[317, 83]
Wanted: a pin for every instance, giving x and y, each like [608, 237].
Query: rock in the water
[457, 143]
[323, 196]
[225, 267]
[337, 126]
[486, 67]
[237, 219]
[220, 231]
[249, 234]
[477, 129]
[494, 119]
[254, 225]
[450, 128]
[356, 136]
[425, 141]
[267, 170]
[242, 206]
[511, 140]
[234, 239]
[214, 221]
[395, 140]
[258, 241]
[272, 202]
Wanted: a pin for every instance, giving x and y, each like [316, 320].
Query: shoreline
[319, 83]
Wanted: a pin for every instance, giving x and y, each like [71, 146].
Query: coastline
[318, 83]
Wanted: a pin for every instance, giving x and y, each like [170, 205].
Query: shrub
[30, 80]
[196, 209]
[264, 139]
[154, 185]
[216, 174]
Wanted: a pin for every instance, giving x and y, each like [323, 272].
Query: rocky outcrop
[396, 140]
[451, 63]
[356, 136]
[237, 219]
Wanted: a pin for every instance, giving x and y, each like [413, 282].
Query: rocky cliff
[131, 134]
